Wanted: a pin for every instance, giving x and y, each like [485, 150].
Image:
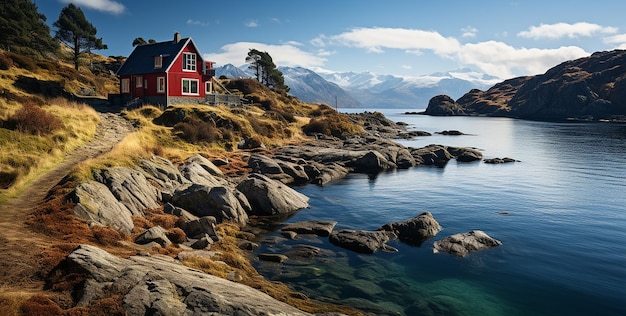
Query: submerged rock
[362, 241]
[463, 243]
[415, 230]
[320, 228]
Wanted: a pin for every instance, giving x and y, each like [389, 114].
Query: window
[209, 87]
[158, 62]
[190, 86]
[161, 84]
[139, 82]
[189, 62]
[125, 85]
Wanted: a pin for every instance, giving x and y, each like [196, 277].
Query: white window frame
[161, 84]
[190, 85]
[158, 62]
[189, 62]
[125, 85]
[208, 87]
[138, 82]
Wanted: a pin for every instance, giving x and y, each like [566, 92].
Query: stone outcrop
[158, 285]
[219, 202]
[271, 197]
[443, 105]
[463, 243]
[586, 88]
[95, 203]
[131, 188]
[415, 230]
[362, 241]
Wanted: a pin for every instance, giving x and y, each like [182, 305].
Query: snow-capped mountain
[384, 91]
[370, 90]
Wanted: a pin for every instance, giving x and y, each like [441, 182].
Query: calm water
[564, 238]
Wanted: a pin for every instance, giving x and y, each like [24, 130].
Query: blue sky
[403, 38]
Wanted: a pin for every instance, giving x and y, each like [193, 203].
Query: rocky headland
[590, 88]
[200, 198]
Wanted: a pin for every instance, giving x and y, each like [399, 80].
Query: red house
[166, 73]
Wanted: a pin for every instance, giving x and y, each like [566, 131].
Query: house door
[139, 87]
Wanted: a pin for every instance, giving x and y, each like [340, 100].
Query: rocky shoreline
[201, 196]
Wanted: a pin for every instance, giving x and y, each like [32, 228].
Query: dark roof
[141, 60]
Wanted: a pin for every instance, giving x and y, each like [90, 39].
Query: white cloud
[408, 67]
[469, 31]
[252, 23]
[107, 6]
[375, 40]
[561, 30]
[197, 23]
[616, 39]
[505, 61]
[282, 55]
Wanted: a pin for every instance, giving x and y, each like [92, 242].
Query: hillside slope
[593, 88]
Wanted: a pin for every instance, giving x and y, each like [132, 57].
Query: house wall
[176, 76]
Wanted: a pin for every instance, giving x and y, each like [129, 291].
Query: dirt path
[19, 245]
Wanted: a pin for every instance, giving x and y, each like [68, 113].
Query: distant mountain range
[369, 90]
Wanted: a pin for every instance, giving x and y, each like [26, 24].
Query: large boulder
[219, 202]
[271, 197]
[163, 173]
[206, 165]
[362, 241]
[371, 162]
[465, 154]
[196, 173]
[95, 203]
[158, 285]
[463, 243]
[131, 188]
[415, 230]
[432, 155]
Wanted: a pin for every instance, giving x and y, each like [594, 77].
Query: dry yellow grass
[23, 156]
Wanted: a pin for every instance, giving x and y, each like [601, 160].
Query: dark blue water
[563, 236]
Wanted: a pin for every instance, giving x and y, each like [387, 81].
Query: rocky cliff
[593, 88]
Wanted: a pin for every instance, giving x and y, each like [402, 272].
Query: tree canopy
[23, 29]
[140, 41]
[74, 30]
[265, 70]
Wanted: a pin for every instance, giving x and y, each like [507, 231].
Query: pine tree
[74, 30]
[23, 29]
[266, 71]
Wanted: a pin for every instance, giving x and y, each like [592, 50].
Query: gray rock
[203, 242]
[95, 203]
[500, 160]
[431, 155]
[154, 234]
[197, 228]
[361, 241]
[206, 165]
[162, 172]
[371, 162]
[295, 171]
[465, 154]
[220, 202]
[415, 230]
[197, 174]
[271, 197]
[320, 228]
[157, 285]
[463, 243]
[443, 105]
[131, 188]
[272, 257]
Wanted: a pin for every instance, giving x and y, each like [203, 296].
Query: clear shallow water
[564, 238]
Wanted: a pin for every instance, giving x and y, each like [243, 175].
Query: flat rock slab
[463, 243]
[320, 228]
[362, 241]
